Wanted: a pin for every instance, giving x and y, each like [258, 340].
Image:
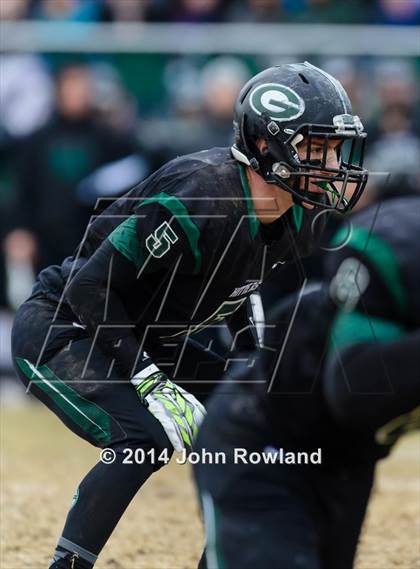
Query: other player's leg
[255, 515]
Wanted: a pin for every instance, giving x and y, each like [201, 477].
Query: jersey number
[159, 242]
[226, 309]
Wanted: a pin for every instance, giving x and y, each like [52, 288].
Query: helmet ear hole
[262, 146]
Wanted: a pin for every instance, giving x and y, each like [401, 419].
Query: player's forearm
[369, 384]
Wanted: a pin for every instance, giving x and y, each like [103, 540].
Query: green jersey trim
[93, 420]
[178, 210]
[252, 216]
[297, 211]
[354, 327]
[124, 238]
[382, 257]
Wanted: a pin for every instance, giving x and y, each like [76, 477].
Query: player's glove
[179, 412]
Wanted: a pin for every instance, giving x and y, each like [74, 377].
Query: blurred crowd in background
[75, 128]
[329, 11]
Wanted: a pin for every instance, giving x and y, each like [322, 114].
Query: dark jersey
[385, 241]
[181, 251]
[345, 370]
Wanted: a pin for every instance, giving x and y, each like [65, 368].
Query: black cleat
[69, 561]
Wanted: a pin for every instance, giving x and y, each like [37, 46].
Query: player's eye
[316, 151]
[338, 148]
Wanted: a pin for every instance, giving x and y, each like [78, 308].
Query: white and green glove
[179, 412]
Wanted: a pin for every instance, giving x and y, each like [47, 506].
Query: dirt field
[41, 464]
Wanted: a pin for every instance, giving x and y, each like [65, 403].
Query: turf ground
[42, 462]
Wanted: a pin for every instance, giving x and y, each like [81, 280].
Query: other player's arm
[373, 369]
[369, 383]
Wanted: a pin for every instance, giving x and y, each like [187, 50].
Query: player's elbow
[73, 293]
[81, 292]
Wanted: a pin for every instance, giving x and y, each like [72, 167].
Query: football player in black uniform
[105, 340]
[343, 370]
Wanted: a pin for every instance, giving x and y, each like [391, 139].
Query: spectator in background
[397, 12]
[53, 160]
[117, 110]
[394, 158]
[187, 11]
[68, 10]
[26, 98]
[26, 94]
[221, 81]
[201, 105]
[326, 11]
[115, 107]
[393, 153]
[7, 206]
[345, 69]
[127, 10]
[15, 10]
[256, 11]
[397, 89]
[26, 91]
[300, 11]
[395, 123]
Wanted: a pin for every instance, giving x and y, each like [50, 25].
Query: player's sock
[102, 498]
[69, 555]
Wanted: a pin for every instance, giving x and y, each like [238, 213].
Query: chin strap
[296, 199]
[239, 156]
[332, 191]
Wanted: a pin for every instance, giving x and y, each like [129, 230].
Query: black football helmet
[286, 104]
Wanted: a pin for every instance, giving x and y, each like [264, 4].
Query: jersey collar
[253, 221]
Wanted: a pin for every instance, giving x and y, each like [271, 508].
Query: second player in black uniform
[343, 383]
[105, 340]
